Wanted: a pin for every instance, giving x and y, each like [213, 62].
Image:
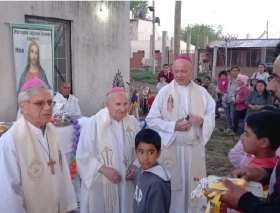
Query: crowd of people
[238, 96]
[124, 169]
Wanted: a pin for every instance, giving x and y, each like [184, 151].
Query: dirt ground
[217, 147]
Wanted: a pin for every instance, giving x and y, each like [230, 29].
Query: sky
[238, 17]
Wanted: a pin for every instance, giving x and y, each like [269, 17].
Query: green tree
[136, 6]
[198, 33]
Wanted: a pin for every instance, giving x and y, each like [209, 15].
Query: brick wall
[136, 60]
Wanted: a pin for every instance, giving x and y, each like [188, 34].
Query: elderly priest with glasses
[34, 173]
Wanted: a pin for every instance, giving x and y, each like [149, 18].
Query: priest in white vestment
[183, 113]
[34, 173]
[106, 158]
[71, 103]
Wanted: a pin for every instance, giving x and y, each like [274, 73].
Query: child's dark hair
[148, 136]
[223, 72]
[265, 124]
[235, 67]
[163, 76]
[265, 92]
[207, 77]
[269, 108]
[252, 79]
[198, 80]
[165, 65]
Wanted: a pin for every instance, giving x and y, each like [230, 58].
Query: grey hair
[24, 96]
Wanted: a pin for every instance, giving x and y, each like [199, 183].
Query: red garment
[241, 96]
[262, 163]
[151, 100]
[170, 76]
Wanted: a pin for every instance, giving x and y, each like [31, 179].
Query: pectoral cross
[51, 164]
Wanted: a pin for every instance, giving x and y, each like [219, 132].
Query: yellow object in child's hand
[219, 185]
[214, 202]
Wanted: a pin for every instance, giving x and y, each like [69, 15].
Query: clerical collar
[64, 96]
[37, 130]
[114, 120]
[182, 85]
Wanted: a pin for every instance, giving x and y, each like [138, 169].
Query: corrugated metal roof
[245, 43]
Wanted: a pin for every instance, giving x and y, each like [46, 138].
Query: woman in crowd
[257, 99]
[228, 105]
[261, 74]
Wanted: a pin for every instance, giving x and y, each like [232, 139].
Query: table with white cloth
[66, 135]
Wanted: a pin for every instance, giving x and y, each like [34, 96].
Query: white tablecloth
[66, 135]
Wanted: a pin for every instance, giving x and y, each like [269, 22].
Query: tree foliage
[198, 33]
[137, 6]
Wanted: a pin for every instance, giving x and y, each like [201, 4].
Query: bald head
[274, 84]
[112, 96]
[117, 104]
[65, 89]
[183, 71]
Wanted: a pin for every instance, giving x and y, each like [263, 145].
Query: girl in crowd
[253, 83]
[241, 94]
[222, 84]
[261, 74]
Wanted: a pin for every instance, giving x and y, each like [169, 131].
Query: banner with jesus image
[33, 53]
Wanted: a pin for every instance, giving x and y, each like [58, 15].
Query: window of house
[253, 57]
[62, 47]
[237, 57]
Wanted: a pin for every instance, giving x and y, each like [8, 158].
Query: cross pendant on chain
[51, 164]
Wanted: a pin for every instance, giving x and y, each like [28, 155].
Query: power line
[274, 34]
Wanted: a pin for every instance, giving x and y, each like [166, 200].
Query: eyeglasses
[43, 103]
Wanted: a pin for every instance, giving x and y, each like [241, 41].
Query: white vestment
[71, 105]
[89, 162]
[180, 199]
[11, 188]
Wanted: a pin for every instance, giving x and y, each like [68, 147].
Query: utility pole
[164, 53]
[227, 40]
[177, 28]
[189, 38]
[154, 36]
[226, 53]
[266, 29]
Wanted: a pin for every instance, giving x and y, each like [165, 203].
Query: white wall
[99, 49]
[133, 29]
[142, 29]
[144, 45]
